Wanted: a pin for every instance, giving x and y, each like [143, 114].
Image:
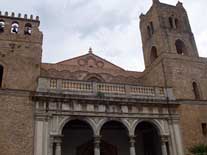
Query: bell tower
[165, 29]
[20, 51]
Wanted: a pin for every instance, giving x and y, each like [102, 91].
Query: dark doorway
[147, 139]
[78, 138]
[115, 139]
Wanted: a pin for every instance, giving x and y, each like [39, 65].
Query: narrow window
[153, 54]
[196, 91]
[171, 22]
[176, 23]
[152, 27]
[204, 128]
[15, 27]
[1, 75]
[2, 25]
[180, 47]
[149, 31]
[28, 29]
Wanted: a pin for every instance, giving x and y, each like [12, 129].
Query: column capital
[57, 139]
[164, 138]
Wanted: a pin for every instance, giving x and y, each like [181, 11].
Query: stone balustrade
[103, 89]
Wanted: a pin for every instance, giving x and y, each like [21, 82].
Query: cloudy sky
[110, 27]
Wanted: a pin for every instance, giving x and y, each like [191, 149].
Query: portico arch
[114, 139]
[77, 138]
[84, 119]
[148, 139]
[104, 121]
[155, 123]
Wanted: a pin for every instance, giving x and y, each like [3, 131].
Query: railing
[106, 89]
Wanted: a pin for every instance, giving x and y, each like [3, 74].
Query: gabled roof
[90, 60]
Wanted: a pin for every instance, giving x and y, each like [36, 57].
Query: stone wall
[17, 125]
[191, 118]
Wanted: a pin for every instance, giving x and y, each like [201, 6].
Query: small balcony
[101, 90]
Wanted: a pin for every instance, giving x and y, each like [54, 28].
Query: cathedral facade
[89, 106]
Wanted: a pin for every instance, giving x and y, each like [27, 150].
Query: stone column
[58, 148]
[132, 145]
[58, 140]
[164, 140]
[97, 141]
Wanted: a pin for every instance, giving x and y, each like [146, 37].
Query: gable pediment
[90, 60]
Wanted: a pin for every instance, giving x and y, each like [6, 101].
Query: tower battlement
[20, 27]
[19, 16]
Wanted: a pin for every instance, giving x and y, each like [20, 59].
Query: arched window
[28, 29]
[196, 90]
[176, 23]
[2, 25]
[153, 54]
[15, 27]
[171, 22]
[152, 27]
[1, 75]
[149, 31]
[180, 47]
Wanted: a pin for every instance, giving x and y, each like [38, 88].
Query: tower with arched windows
[166, 28]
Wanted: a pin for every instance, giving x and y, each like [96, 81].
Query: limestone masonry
[88, 106]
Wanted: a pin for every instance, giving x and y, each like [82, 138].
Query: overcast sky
[110, 27]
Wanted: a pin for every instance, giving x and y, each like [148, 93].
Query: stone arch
[89, 121]
[94, 78]
[155, 124]
[153, 54]
[125, 123]
[147, 135]
[15, 27]
[2, 25]
[196, 90]
[28, 29]
[4, 75]
[180, 47]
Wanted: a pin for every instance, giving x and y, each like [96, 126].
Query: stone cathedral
[89, 106]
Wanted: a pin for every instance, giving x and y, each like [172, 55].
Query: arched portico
[84, 119]
[150, 138]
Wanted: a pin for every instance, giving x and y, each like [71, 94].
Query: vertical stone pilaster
[38, 140]
[97, 141]
[132, 145]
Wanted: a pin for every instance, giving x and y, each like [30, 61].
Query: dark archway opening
[114, 139]
[153, 54]
[180, 47]
[148, 141]
[1, 75]
[196, 91]
[78, 138]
